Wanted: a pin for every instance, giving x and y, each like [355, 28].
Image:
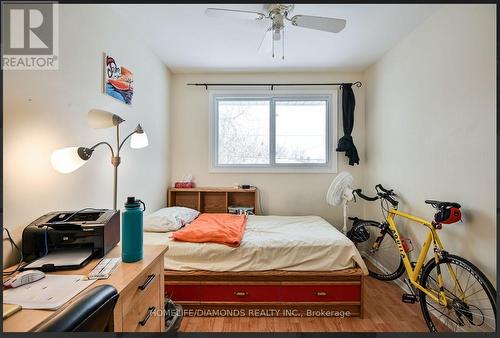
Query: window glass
[243, 132]
[301, 131]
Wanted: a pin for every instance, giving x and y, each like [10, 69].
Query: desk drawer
[321, 293]
[142, 302]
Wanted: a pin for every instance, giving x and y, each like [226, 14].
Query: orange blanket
[218, 228]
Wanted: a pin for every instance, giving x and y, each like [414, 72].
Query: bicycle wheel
[471, 298]
[385, 262]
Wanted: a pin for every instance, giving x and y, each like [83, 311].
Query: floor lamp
[69, 159]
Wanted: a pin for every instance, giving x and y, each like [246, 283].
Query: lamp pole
[115, 157]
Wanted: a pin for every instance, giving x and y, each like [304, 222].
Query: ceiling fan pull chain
[283, 45]
[272, 37]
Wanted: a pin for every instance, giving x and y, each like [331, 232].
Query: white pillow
[169, 219]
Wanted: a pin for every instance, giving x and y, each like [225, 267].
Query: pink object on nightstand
[184, 184]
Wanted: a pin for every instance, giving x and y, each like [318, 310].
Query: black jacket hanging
[346, 142]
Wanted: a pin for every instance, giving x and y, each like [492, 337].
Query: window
[243, 127]
[260, 131]
[301, 131]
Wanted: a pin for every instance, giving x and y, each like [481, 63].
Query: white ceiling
[189, 41]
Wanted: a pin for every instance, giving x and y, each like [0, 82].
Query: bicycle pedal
[409, 298]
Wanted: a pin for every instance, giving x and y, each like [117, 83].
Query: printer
[95, 229]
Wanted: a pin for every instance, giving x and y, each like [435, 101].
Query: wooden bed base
[267, 293]
[260, 293]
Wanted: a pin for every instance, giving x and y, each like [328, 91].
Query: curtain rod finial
[358, 84]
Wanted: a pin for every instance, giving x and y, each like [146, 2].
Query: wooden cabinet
[141, 301]
[212, 200]
[141, 304]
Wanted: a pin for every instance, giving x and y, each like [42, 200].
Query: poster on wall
[118, 80]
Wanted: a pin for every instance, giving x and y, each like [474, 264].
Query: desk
[133, 303]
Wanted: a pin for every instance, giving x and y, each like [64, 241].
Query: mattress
[291, 243]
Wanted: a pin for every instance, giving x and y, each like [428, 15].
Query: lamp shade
[98, 119]
[67, 160]
[139, 140]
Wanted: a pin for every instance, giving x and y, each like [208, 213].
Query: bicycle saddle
[440, 204]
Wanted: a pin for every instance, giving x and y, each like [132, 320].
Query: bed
[285, 266]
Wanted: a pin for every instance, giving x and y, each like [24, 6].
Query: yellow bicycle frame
[413, 273]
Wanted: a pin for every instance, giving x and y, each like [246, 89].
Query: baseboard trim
[399, 282]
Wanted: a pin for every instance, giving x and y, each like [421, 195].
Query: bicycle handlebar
[360, 194]
[391, 200]
[380, 187]
[385, 194]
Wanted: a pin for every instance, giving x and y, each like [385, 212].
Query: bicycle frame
[413, 273]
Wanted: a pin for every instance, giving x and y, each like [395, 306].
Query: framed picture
[118, 80]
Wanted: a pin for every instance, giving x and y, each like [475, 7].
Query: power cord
[20, 252]
[76, 212]
[261, 208]
[245, 186]
[46, 241]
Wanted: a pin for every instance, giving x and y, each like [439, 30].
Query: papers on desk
[67, 258]
[49, 293]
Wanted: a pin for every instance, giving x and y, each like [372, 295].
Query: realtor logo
[30, 36]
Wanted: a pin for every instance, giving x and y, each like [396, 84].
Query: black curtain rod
[272, 85]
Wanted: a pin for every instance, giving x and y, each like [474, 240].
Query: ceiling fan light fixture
[276, 35]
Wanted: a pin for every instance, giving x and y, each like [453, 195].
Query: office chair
[91, 311]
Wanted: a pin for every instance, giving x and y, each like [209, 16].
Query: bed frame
[258, 293]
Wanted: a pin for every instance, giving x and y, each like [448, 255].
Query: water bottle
[132, 230]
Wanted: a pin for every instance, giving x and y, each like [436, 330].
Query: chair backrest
[90, 311]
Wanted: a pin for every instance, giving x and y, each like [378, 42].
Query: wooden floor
[384, 312]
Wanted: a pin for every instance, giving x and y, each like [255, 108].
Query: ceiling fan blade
[233, 13]
[332, 25]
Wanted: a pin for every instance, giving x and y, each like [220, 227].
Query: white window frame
[331, 96]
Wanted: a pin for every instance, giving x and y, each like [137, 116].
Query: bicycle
[444, 286]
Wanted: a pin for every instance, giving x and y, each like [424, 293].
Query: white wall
[430, 123]
[430, 128]
[283, 194]
[47, 110]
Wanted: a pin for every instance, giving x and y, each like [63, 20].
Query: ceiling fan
[278, 14]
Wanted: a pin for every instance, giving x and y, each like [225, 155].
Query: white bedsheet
[293, 243]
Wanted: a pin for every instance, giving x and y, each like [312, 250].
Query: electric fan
[340, 191]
